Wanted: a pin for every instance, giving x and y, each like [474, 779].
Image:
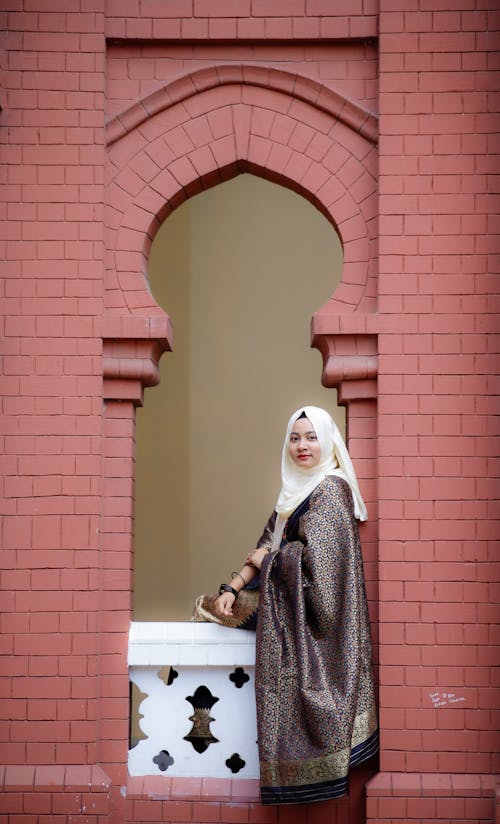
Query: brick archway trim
[298, 86]
[207, 127]
[217, 134]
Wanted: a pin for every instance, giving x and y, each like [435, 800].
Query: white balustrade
[213, 666]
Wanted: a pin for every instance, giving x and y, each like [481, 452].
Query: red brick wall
[422, 313]
[52, 251]
[437, 359]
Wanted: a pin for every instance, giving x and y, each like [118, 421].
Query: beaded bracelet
[227, 588]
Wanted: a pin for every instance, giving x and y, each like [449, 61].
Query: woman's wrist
[227, 588]
[239, 580]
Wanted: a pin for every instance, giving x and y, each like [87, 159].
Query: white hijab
[298, 482]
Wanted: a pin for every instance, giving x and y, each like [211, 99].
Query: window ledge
[189, 644]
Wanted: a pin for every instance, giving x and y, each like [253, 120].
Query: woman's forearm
[243, 577]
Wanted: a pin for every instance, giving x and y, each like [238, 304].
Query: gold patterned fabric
[314, 689]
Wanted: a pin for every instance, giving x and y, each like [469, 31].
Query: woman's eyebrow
[309, 432]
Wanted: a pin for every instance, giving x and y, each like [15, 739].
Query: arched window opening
[240, 269]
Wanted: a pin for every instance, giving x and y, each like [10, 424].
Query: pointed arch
[214, 123]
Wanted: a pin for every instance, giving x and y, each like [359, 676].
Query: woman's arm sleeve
[266, 539]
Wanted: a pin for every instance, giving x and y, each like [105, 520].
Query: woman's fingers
[224, 603]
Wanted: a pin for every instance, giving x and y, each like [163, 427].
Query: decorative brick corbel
[129, 366]
[132, 347]
[350, 364]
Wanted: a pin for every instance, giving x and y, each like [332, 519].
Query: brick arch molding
[212, 124]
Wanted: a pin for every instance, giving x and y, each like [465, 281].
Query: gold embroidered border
[365, 725]
[326, 768]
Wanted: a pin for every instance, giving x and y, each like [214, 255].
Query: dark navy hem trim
[304, 795]
[365, 750]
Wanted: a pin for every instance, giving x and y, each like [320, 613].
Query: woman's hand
[224, 604]
[256, 557]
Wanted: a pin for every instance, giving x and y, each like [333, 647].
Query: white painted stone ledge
[189, 644]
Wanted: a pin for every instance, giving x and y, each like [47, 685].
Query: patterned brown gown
[316, 711]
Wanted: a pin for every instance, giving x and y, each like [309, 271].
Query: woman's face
[304, 447]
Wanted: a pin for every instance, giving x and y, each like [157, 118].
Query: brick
[444, 441]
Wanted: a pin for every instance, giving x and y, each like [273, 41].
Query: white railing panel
[214, 667]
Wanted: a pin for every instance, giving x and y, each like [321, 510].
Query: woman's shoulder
[332, 488]
[334, 482]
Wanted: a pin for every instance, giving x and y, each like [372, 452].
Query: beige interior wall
[240, 269]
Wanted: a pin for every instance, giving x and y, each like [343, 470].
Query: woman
[316, 713]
